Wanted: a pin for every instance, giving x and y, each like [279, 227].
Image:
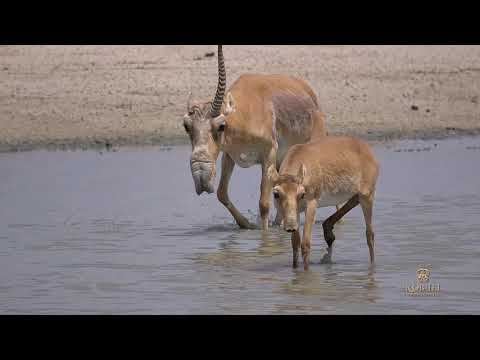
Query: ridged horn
[222, 84]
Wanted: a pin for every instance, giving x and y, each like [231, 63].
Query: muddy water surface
[123, 232]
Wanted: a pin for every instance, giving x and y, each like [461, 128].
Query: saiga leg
[307, 231]
[295, 247]
[227, 168]
[330, 222]
[366, 202]
[266, 189]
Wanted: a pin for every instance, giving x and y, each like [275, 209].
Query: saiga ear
[302, 172]
[272, 174]
[229, 104]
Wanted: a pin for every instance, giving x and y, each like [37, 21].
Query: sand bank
[93, 96]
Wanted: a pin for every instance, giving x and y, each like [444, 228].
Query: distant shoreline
[180, 140]
[91, 97]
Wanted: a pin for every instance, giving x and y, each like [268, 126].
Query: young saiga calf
[324, 172]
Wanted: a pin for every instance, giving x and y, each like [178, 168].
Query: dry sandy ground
[82, 96]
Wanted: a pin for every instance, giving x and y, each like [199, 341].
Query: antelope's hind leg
[227, 168]
[341, 221]
[329, 223]
[366, 203]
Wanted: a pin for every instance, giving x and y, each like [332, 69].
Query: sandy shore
[86, 96]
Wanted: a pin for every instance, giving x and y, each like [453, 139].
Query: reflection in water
[241, 247]
[334, 285]
[274, 242]
[84, 233]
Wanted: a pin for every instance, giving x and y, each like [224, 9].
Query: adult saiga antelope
[325, 172]
[256, 122]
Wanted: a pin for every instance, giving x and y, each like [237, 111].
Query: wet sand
[123, 232]
[97, 96]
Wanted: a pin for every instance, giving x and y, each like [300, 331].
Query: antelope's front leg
[265, 197]
[279, 217]
[266, 186]
[227, 168]
[295, 247]
[307, 231]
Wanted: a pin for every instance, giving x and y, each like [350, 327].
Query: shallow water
[123, 232]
